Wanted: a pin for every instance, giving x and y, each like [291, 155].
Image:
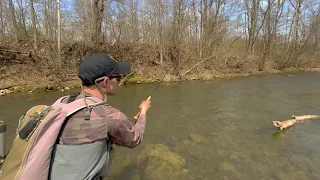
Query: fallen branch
[197, 64]
[18, 52]
[291, 122]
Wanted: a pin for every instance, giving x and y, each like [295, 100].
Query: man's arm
[120, 129]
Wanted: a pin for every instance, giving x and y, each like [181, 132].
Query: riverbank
[23, 69]
[41, 84]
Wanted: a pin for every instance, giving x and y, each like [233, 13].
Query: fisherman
[85, 142]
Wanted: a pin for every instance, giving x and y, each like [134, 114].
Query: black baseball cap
[95, 66]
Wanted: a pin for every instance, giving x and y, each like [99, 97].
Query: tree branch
[197, 64]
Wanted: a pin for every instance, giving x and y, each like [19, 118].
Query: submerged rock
[197, 138]
[188, 142]
[158, 161]
[163, 153]
[240, 157]
[136, 177]
[278, 174]
[227, 170]
[171, 143]
[225, 167]
[157, 169]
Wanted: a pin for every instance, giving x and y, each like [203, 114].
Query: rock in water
[4, 92]
[198, 138]
[226, 169]
[7, 91]
[159, 162]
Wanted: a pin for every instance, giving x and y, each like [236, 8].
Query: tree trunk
[49, 19]
[178, 23]
[34, 24]
[134, 21]
[14, 21]
[267, 37]
[296, 45]
[195, 16]
[59, 34]
[22, 27]
[298, 20]
[252, 10]
[201, 30]
[45, 21]
[160, 30]
[98, 8]
[1, 20]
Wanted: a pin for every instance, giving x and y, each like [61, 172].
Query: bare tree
[134, 21]
[98, 9]
[13, 20]
[177, 34]
[59, 34]
[1, 20]
[270, 30]
[45, 20]
[34, 24]
[296, 46]
[212, 29]
[52, 19]
[252, 7]
[196, 25]
[298, 18]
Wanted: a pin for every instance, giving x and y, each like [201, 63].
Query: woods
[226, 36]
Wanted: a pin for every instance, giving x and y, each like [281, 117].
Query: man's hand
[145, 105]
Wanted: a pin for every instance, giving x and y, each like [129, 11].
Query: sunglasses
[118, 77]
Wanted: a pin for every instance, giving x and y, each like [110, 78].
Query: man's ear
[105, 81]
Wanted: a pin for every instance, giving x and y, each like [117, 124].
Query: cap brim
[123, 68]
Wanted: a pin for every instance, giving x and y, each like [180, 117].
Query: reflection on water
[217, 129]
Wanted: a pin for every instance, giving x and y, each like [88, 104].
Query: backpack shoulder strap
[72, 98]
[77, 105]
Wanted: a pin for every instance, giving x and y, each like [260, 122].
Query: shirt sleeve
[122, 131]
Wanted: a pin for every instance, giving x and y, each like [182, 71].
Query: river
[219, 129]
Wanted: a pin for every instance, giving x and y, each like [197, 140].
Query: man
[85, 142]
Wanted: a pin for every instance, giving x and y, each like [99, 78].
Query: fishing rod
[154, 90]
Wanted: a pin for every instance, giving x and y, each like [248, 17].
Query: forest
[45, 40]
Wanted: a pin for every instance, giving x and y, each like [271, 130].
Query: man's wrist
[143, 111]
